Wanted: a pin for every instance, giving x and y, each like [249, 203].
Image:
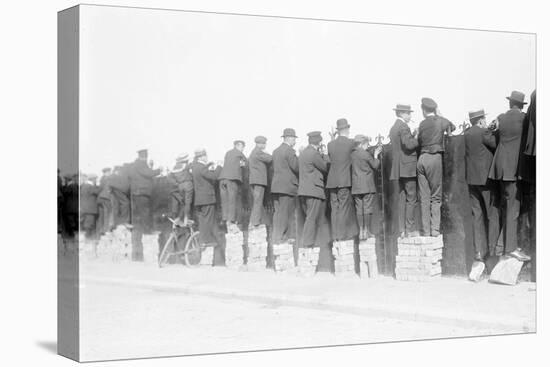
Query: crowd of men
[332, 186]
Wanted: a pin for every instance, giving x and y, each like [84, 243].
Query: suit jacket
[339, 152]
[258, 164]
[505, 162]
[480, 144]
[204, 182]
[88, 198]
[105, 185]
[141, 178]
[313, 167]
[232, 169]
[363, 165]
[431, 133]
[121, 180]
[285, 170]
[403, 146]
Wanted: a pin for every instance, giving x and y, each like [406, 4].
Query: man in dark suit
[205, 177]
[363, 188]
[120, 190]
[104, 202]
[231, 179]
[343, 219]
[403, 169]
[504, 169]
[88, 205]
[480, 144]
[429, 168]
[313, 166]
[284, 188]
[258, 165]
[141, 187]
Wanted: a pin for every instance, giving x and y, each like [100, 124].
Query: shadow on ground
[50, 346]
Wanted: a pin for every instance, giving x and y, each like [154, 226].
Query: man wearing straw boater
[403, 169]
[480, 144]
[284, 188]
[504, 170]
[343, 220]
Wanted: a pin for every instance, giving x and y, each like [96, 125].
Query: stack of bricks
[283, 257]
[207, 256]
[115, 245]
[308, 258]
[150, 244]
[257, 248]
[344, 261]
[234, 240]
[368, 266]
[418, 258]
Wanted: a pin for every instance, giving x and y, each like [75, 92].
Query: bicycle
[191, 253]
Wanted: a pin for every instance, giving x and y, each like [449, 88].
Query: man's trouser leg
[494, 226]
[229, 190]
[175, 204]
[284, 217]
[407, 188]
[511, 211]
[344, 225]
[424, 191]
[140, 218]
[479, 214]
[359, 212]
[224, 198]
[257, 204]
[121, 207]
[312, 207]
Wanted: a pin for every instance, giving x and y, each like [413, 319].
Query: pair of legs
[257, 212]
[343, 217]
[364, 208]
[486, 218]
[229, 194]
[210, 233]
[406, 205]
[430, 181]
[121, 207]
[284, 218]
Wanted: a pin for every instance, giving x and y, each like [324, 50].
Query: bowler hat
[260, 139]
[342, 124]
[289, 132]
[239, 142]
[403, 108]
[475, 114]
[429, 103]
[517, 97]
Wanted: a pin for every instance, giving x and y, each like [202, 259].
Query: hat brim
[343, 127]
[475, 117]
[402, 110]
[288, 136]
[515, 100]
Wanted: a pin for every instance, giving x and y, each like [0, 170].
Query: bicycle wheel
[164, 254]
[193, 250]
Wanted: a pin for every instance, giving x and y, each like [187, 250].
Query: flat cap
[429, 103]
[239, 142]
[106, 169]
[360, 138]
[313, 134]
[260, 139]
[200, 152]
[142, 152]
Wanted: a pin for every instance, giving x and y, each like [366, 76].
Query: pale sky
[173, 81]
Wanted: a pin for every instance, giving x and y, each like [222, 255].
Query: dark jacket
[70, 198]
[258, 164]
[339, 152]
[141, 178]
[88, 198]
[313, 167]
[431, 134]
[363, 165]
[403, 146]
[480, 144]
[232, 169]
[505, 162]
[121, 180]
[105, 185]
[204, 182]
[285, 170]
[180, 181]
[529, 128]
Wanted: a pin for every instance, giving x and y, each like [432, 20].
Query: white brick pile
[115, 245]
[283, 257]
[308, 258]
[207, 256]
[150, 247]
[344, 262]
[368, 266]
[257, 248]
[418, 258]
[234, 247]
